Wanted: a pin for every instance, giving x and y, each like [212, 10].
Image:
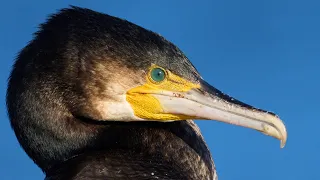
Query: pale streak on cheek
[114, 106]
[117, 110]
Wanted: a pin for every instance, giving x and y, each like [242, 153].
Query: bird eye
[158, 74]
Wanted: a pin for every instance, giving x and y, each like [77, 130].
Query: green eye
[158, 74]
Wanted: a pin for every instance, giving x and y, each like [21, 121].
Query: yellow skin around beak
[175, 98]
[146, 106]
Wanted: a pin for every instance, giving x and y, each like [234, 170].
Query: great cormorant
[96, 97]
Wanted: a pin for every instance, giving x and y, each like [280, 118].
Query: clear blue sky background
[266, 53]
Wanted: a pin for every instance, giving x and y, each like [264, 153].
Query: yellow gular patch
[146, 106]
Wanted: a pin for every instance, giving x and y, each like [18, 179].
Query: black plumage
[52, 88]
[85, 103]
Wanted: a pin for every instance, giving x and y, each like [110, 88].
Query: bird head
[83, 64]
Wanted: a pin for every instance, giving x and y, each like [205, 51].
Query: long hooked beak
[208, 102]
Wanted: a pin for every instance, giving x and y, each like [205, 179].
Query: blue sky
[266, 53]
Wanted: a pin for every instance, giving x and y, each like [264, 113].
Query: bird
[93, 96]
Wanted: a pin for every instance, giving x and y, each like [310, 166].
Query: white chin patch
[118, 110]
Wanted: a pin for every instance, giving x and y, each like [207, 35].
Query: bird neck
[127, 150]
[118, 164]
